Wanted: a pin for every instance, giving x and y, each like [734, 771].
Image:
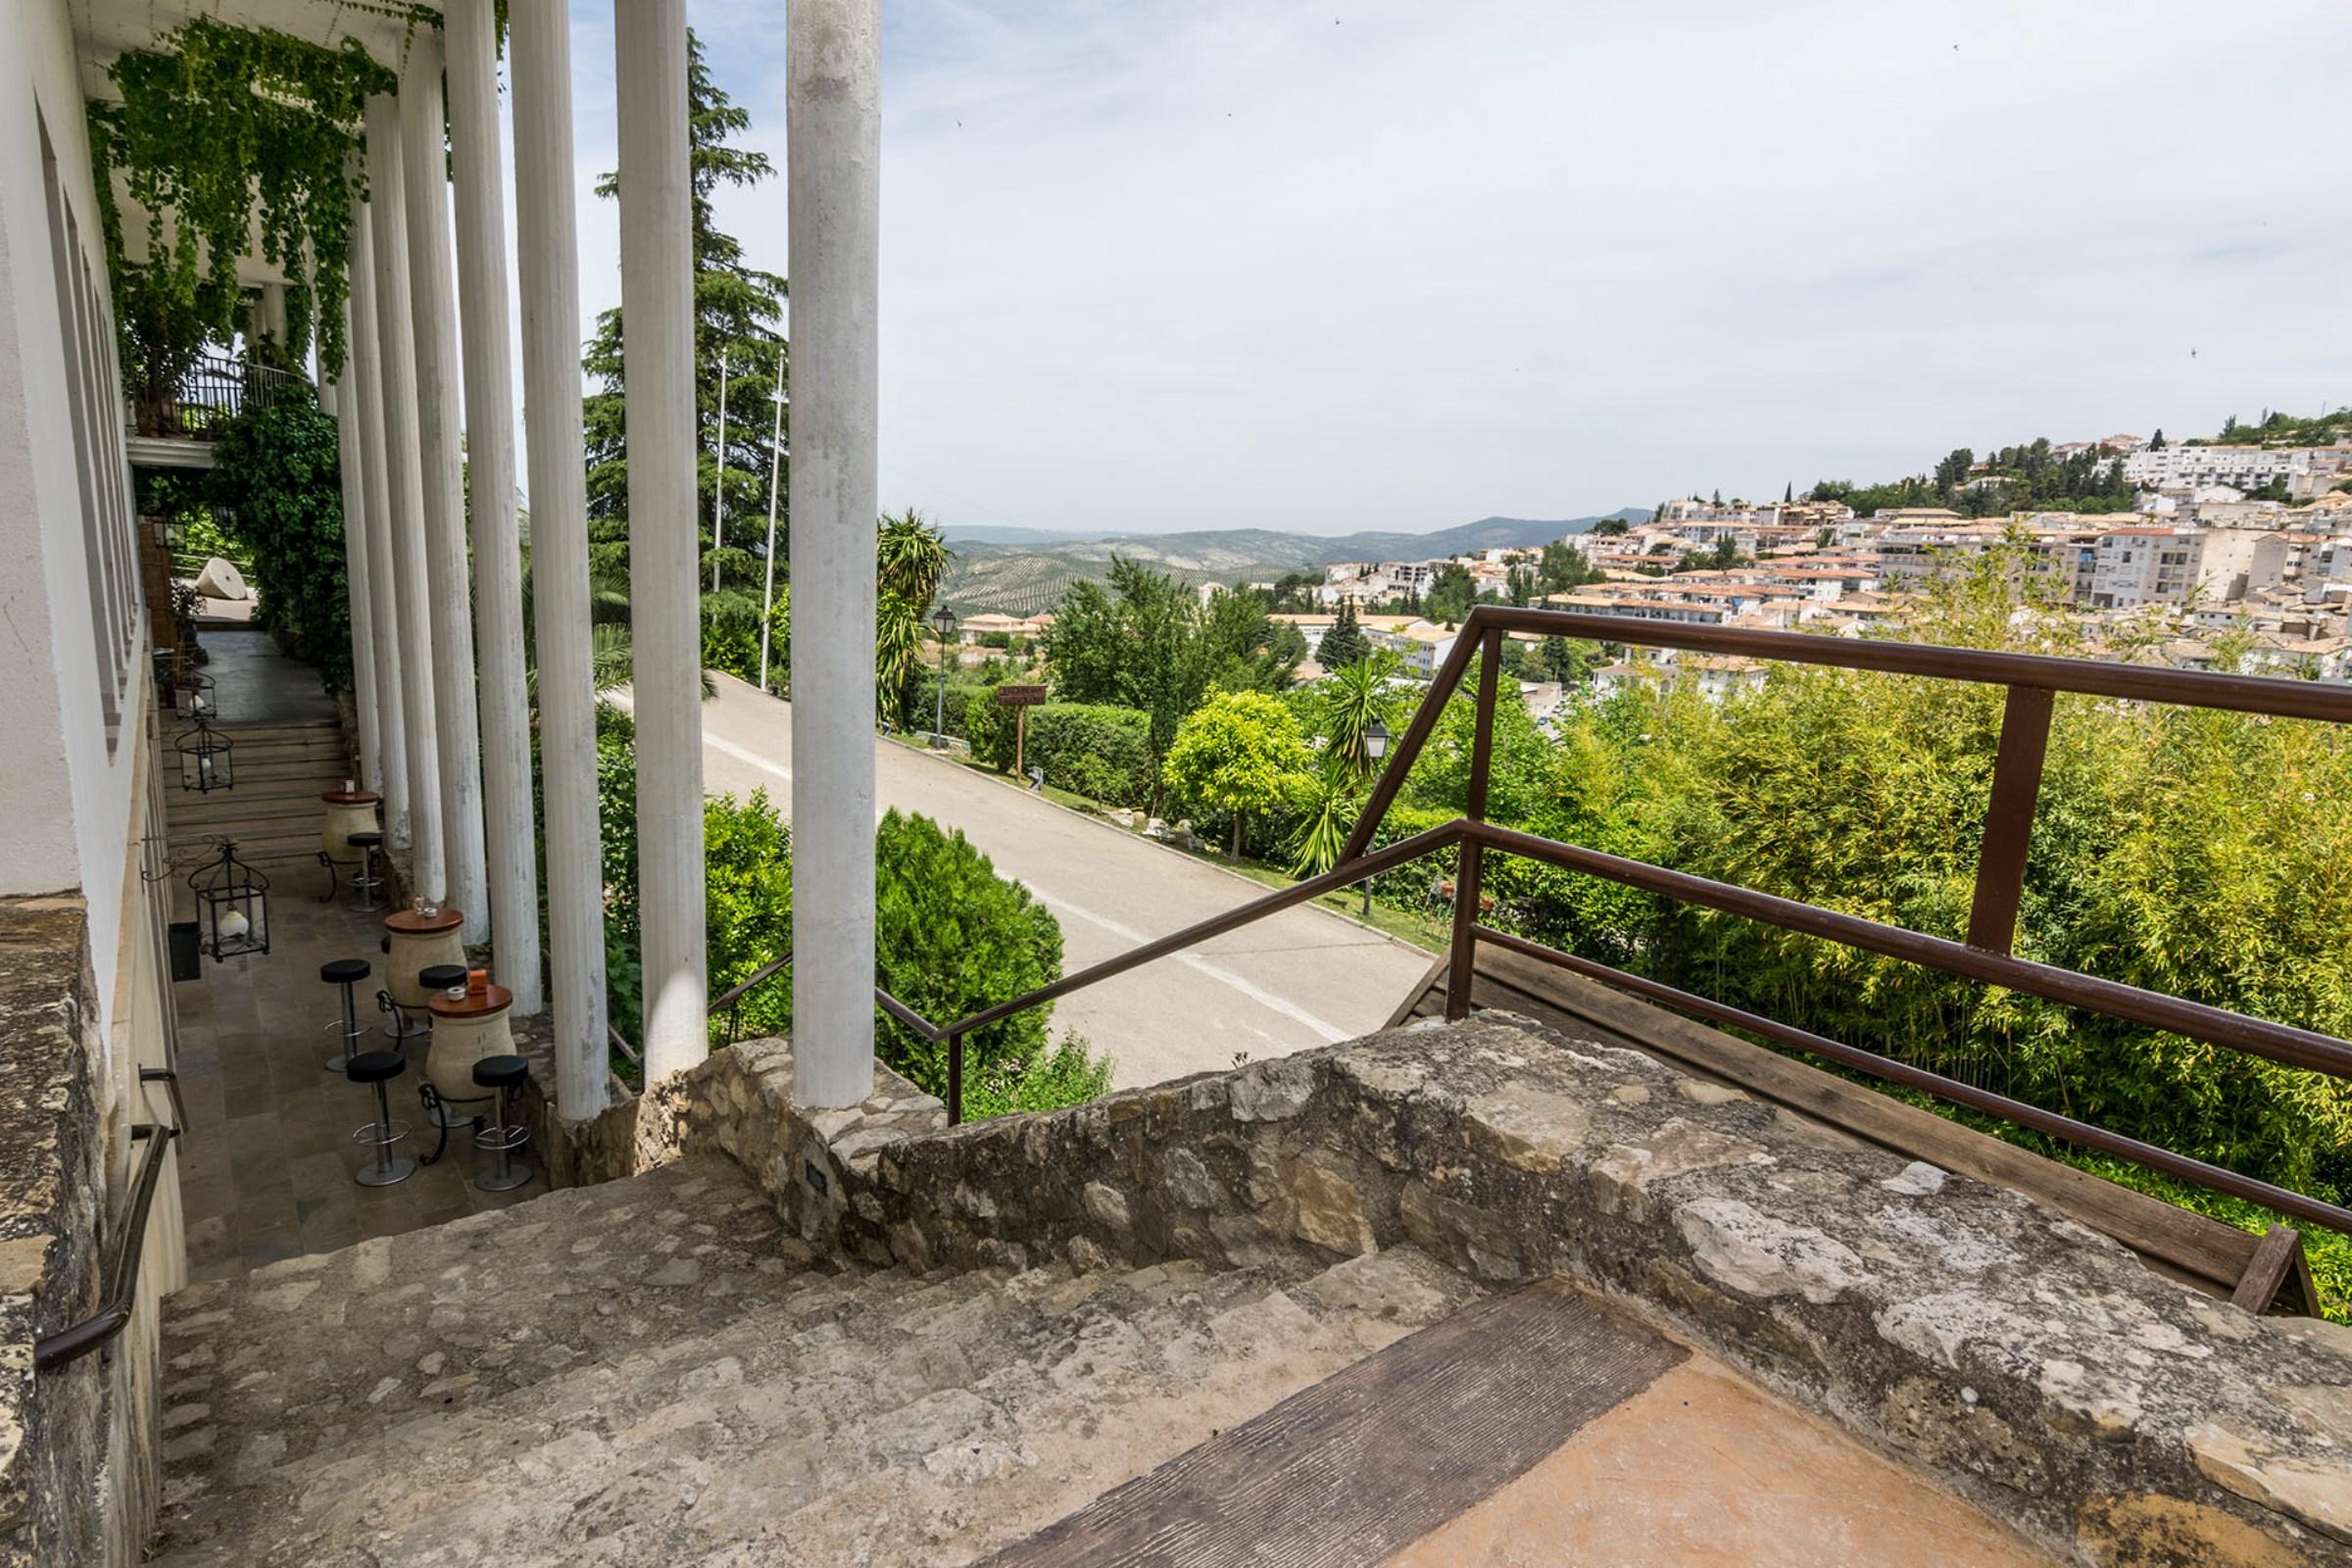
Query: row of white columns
[445, 725]
[455, 773]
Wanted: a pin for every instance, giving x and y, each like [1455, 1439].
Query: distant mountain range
[1024, 571]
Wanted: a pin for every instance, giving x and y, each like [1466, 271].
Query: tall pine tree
[1344, 644]
[738, 309]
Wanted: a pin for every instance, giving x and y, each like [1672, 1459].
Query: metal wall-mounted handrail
[53, 1351]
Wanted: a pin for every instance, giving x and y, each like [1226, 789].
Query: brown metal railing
[212, 391]
[2032, 682]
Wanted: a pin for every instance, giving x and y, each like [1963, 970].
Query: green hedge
[1101, 752]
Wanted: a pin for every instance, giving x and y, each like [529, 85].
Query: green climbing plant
[219, 130]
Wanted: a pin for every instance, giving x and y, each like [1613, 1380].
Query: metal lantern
[192, 696]
[204, 762]
[232, 905]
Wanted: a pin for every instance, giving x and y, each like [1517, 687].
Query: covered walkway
[268, 1160]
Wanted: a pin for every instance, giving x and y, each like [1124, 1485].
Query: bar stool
[380, 1067]
[501, 1075]
[367, 884]
[346, 973]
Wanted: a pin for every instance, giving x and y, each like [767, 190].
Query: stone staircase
[650, 1371]
[273, 810]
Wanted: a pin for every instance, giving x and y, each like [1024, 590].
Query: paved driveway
[1300, 978]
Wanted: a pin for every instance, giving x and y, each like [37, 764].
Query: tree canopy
[738, 313]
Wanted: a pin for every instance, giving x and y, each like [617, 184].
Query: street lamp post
[942, 621]
[1376, 747]
[719, 473]
[775, 464]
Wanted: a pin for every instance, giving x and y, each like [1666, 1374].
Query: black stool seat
[441, 976]
[363, 841]
[374, 1066]
[500, 1072]
[344, 971]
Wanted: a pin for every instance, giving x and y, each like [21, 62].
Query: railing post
[1462, 972]
[955, 1080]
[2009, 817]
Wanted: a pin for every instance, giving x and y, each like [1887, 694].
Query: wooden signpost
[1020, 698]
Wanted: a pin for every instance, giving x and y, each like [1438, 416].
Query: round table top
[497, 999]
[351, 796]
[408, 923]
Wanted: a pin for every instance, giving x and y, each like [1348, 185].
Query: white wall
[65, 791]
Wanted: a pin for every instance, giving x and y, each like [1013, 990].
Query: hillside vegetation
[1012, 571]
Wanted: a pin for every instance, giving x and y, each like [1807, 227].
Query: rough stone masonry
[2035, 1366]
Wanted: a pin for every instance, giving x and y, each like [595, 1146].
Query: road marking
[743, 754]
[1331, 1033]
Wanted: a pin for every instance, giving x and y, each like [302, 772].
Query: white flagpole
[775, 459]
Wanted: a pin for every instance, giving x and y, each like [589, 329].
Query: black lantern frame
[192, 694]
[232, 905]
[206, 762]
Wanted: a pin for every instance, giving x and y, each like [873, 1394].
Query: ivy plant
[215, 127]
[277, 477]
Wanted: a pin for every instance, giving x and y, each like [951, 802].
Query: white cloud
[1346, 265]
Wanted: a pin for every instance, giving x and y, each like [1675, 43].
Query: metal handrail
[213, 390]
[1986, 956]
[53, 1351]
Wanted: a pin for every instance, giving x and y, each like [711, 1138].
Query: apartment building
[2244, 467]
[2146, 565]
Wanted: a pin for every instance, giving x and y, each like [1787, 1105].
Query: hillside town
[2210, 565]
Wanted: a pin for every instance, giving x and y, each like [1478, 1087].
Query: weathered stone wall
[737, 1101]
[55, 1504]
[2035, 1367]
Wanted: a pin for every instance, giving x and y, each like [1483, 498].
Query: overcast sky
[1349, 266]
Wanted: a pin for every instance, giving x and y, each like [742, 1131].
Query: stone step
[281, 729]
[443, 1317]
[518, 1388]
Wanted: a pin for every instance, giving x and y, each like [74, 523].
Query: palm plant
[910, 558]
[1350, 701]
[1329, 812]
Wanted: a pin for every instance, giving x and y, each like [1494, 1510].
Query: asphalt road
[1300, 978]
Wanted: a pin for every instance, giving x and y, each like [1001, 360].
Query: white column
[270, 315]
[404, 491]
[339, 398]
[364, 379]
[473, 139]
[547, 250]
[657, 297]
[833, 127]
[434, 301]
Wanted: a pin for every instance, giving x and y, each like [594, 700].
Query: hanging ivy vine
[216, 126]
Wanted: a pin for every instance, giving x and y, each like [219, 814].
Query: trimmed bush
[1099, 752]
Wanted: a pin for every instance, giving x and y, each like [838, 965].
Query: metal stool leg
[387, 1170]
[506, 1171]
[367, 883]
[351, 1030]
